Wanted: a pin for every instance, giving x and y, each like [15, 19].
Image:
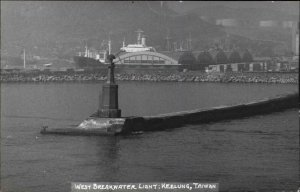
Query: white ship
[139, 46]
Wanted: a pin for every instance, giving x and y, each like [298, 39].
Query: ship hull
[84, 62]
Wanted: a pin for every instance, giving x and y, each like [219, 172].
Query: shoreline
[160, 76]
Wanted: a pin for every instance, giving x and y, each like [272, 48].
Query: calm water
[257, 153]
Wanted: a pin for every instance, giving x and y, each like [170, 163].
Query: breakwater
[215, 114]
[127, 125]
[191, 76]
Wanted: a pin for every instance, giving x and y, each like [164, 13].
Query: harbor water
[258, 153]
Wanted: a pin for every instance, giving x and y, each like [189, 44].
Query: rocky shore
[237, 77]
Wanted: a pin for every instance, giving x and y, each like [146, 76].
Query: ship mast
[24, 58]
[175, 46]
[168, 38]
[189, 42]
[86, 50]
[181, 43]
[109, 45]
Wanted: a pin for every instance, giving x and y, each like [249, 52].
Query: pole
[111, 67]
[86, 51]
[109, 44]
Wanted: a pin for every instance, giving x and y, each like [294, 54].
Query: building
[268, 23]
[141, 56]
[295, 39]
[145, 59]
[288, 24]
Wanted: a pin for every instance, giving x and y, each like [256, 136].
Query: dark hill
[251, 13]
[248, 18]
[61, 25]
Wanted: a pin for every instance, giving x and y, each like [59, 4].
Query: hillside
[248, 21]
[44, 26]
[289, 7]
[61, 28]
[251, 14]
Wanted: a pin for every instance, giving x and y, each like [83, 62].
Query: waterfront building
[268, 23]
[140, 55]
[144, 58]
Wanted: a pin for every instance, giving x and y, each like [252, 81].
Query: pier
[210, 115]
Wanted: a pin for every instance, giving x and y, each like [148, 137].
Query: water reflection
[109, 152]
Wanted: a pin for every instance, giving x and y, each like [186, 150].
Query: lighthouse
[108, 101]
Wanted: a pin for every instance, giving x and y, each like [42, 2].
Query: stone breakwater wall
[128, 125]
[156, 76]
[215, 114]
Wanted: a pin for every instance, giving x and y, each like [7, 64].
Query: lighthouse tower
[108, 101]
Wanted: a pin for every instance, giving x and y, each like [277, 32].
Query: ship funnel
[139, 32]
[123, 42]
[144, 41]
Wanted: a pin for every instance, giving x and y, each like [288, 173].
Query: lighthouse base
[90, 126]
[109, 106]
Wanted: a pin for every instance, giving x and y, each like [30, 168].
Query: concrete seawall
[126, 125]
[178, 119]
